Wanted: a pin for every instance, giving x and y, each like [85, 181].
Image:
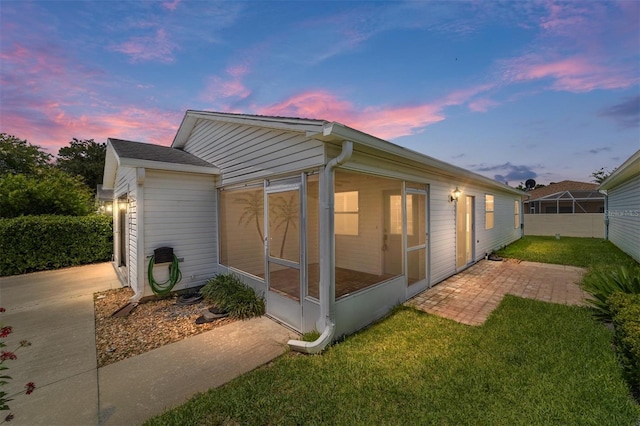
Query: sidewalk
[54, 311]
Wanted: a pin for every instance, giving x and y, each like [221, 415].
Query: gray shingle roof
[150, 152]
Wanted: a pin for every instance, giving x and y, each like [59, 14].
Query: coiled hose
[162, 289]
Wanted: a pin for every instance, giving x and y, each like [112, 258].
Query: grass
[531, 363]
[584, 252]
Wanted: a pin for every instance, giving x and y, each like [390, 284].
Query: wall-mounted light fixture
[455, 195]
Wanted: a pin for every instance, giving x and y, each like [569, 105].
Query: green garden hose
[162, 289]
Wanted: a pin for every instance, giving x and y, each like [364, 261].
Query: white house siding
[180, 212]
[442, 213]
[125, 185]
[624, 216]
[504, 230]
[442, 230]
[246, 152]
[132, 261]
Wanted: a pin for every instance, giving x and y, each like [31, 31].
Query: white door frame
[417, 287]
[285, 309]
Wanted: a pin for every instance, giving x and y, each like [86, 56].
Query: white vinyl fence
[589, 225]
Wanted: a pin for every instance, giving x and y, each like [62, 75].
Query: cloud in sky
[48, 98]
[171, 5]
[152, 47]
[597, 151]
[599, 60]
[510, 173]
[626, 113]
[130, 69]
[383, 121]
[220, 91]
[573, 74]
[386, 122]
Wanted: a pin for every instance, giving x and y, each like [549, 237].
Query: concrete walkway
[470, 296]
[54, 311]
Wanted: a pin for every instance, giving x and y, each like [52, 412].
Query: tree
[601, 174]
[83, 158]
[50, 191]
[521, 187]
[19, 156]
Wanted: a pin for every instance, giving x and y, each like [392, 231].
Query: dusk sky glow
[511, 90]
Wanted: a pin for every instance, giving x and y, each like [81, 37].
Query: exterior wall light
[456, 194]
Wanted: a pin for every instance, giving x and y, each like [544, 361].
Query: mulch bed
[150, 325]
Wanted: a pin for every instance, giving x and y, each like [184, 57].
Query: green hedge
[626, 320]
[36, 243]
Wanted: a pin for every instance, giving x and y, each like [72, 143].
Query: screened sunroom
[270, 231]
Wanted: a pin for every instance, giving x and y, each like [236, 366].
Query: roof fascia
[174, 167]
[280, 123]
[336, 132]
[184, 131]
[628, 169]
[111, 163]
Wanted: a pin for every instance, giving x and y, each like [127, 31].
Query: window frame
[344, 211]
[489, 213]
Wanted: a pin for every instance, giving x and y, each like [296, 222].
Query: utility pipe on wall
[327, 257]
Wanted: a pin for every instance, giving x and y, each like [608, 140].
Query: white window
[346, 213]
[516, 214]
[488, 211]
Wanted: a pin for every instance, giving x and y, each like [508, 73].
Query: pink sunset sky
[512, 90]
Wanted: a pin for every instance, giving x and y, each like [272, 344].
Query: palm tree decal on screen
[252, 210]
[285, 212]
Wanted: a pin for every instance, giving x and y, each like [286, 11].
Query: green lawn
[584, 252]
[531, 363]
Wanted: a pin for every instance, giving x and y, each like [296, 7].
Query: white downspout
[606, 213]
[327, 257]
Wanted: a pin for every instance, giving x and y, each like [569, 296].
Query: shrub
[50, 192]
[36, 243]
[625, 310]
[228, 293]
[603, 283]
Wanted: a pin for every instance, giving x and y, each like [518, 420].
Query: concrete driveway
[54, 311]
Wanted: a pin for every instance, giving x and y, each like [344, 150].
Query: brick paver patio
[470, 296]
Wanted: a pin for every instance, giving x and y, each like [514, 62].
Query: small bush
[36, 243]
[625, 310]
[603, 283]
[228, 293]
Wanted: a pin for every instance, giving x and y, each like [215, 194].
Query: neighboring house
[565, 197]
[332, 225]
[623, 206]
